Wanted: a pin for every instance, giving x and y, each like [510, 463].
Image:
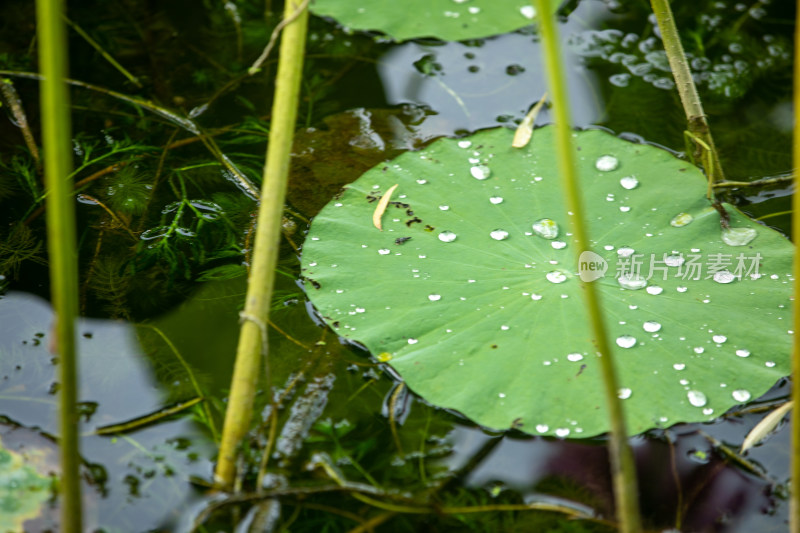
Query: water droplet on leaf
[723, 276]
[625, 251]
[528, 12]
[606, 163]
[696, 398]
[743, 353]
[574, 357]
[556, 277]
[629, 182]
[546, 228]
[626, 341]
[624, 393]
[741, 395]
[738, 236]
[681, 219]
[632, 281]
[651, 326]
[434, 297]
[447, 236]
[480, 172]
[499, 235]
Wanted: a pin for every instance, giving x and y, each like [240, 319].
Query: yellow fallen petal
[763, 428]
[381, 207]
[525, 130]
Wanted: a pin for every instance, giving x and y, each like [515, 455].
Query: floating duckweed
[629, 182]
[626, 341]
[546, 228]
[480, 172]
[654, 290]
[558, 245]
[606, 163]
[555, 277]
[681, 219]
[447, 236]
[496, 200]
[624, 393]
[434, 297]
[384, 357]
[738, 236]
[723, 276]
[697, 398]
[743, 353]
[625, 251]
[574, 357]
[499, 235]
[651, 326]
[528, 12]
[384, 251]
[741, 395]
[632, 281]
[719, 339]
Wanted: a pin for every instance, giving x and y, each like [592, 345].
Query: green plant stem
[695, 116]
[621, 458]
[794, 496]
[57, 144]
[252, 339]
[108, 57]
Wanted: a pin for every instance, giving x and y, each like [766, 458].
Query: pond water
[165, 231]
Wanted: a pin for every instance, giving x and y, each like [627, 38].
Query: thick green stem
[794, 498]
[622, 464]
[252, 339]
[57, 144]
[695, 116]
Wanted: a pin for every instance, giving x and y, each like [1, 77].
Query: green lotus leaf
[472, 292]
[449, 20]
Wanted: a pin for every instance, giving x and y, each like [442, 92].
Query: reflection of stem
[392, 421]
[455, 96]
[189, 373]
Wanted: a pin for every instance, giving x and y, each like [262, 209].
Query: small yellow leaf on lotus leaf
[384, 357]
[381, 207]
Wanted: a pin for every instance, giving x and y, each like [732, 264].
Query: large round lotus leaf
[479, 313]
[450, 20]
